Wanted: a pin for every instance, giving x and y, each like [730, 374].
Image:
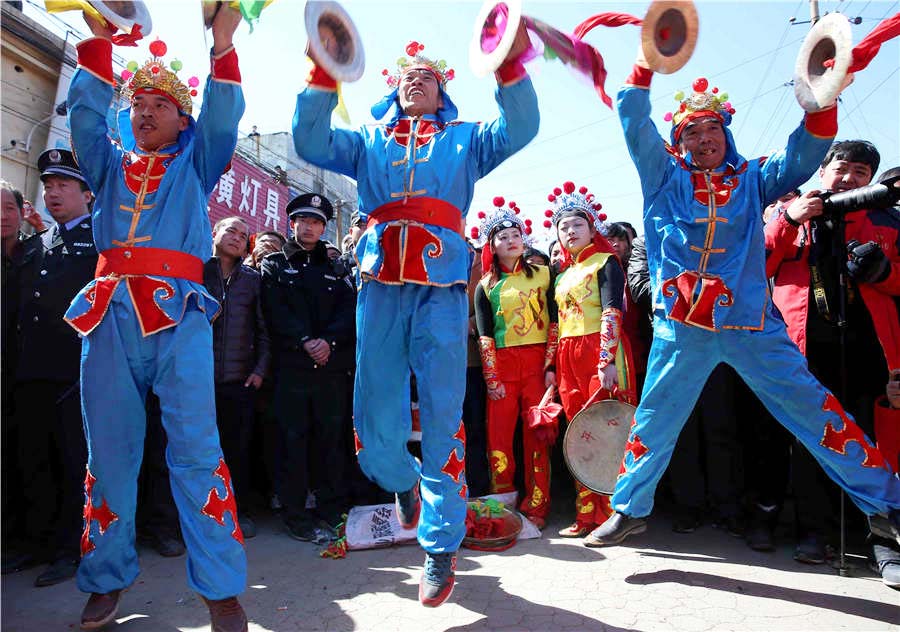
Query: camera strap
[818, 288]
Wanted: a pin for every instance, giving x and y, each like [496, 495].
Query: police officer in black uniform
[309, 304]
[55, 265]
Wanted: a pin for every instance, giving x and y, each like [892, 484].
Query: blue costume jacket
[155, 199]
[429, 162]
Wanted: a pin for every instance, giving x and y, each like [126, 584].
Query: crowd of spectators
[284, 407]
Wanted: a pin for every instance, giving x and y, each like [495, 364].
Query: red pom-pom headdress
[700, 104]
[417, 60]
[155, 78]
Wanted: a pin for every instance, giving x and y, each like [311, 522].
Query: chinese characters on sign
[251, 193]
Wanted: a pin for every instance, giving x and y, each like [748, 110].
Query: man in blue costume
[705, 247]
[415, 178]
[146, 316]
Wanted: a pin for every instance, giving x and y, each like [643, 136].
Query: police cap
[59, 162]
[310, 205]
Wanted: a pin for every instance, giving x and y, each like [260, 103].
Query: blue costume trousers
[682, 357]
[118, 367]
[423, 328]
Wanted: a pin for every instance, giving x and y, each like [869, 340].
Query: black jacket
[55, 265]
[240, 337]
[307, 296]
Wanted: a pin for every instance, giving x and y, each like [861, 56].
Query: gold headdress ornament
[154, 77]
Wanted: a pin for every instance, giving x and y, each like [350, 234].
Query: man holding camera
[811, 245]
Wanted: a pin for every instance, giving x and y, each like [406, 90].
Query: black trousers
[767, 449]
[474, 421]
[235, 406]
[310, 407]
[705, 465]
[53, 456]
[156, 510]
[817, 498]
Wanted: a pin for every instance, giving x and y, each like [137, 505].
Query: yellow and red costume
[516, 319]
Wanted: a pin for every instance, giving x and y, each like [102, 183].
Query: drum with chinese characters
[595, 443]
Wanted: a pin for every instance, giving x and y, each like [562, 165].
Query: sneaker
[226, 615]
[887, 564]
[407, 506]
[248, 527]
[576, 530]
[438, 578]
[811, 549]
[303, 530]
[100, 609]
[62, 569]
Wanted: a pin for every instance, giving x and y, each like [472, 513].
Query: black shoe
[887, 564]
[811, 549]
[686, 521]
[248, 527]
[164, 543]
[100, 609]
[407, 505]
[16, 562]
[616, 528]
[733, 525]
[62, 569]
[760, 533]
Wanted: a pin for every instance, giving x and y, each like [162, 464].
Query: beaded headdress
[698, 105]
[153, 76]
[503, 216]
[568, 201]
[417, 60]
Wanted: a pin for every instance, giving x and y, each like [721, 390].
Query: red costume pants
[576, 374]
[521, 370]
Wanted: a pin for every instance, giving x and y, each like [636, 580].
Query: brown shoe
[226, 615]
[99, 610]
[576, 530]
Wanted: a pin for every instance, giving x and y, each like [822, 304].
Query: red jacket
[787, 261]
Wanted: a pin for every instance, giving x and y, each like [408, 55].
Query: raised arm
[517, 124]
[807, 145]
[645, 145]
[90, 95]
[223, 104]
[315, 140]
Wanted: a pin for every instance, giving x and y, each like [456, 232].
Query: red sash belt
[138, 266]
[149, 261]
[424, 210]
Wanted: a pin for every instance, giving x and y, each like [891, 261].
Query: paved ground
[659, 581]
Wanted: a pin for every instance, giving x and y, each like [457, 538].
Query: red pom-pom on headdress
[569, 187]
[499, 201]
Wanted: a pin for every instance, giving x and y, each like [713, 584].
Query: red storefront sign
[251, 193]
